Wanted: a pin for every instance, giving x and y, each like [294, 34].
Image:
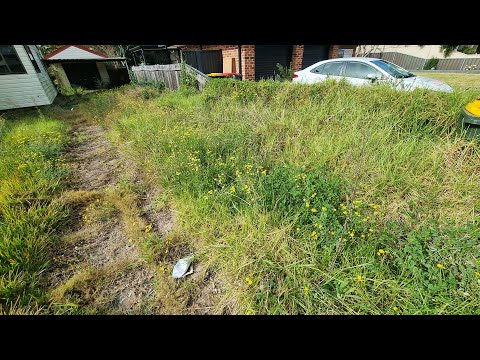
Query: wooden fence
[169, 74]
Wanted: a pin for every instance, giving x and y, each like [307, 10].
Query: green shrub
[284, 73]
[188, 80]
[468, 50]
[431, 64]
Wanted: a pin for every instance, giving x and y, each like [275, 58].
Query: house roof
[74, 52]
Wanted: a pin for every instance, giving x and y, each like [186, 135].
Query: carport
[75, 65]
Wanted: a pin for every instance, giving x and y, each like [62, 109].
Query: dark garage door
[313, 54]
[206, 61]
[82, 74]
[267, 57]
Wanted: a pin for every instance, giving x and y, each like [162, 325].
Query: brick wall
[297, 57]
[248, 62]
[333, 53]
[230, 52]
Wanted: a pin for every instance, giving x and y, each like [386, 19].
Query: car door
[356, 73]
[329, 70]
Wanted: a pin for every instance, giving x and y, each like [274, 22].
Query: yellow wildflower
[359, 278]
[210, 192]
[380, 252]
[324, 208]
[314, 194]
[232, 189]
[313, 210]
[148, 228]
[395, 308]
[264, 172]
[307, 204]
[306, 289]
[249, 281]
[440, 266]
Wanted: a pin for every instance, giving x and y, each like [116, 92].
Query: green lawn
[314, 199]
[457, 81]
[31, 174]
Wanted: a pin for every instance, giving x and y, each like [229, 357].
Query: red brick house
[259, 61]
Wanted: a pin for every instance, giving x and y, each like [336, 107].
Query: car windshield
[392, 69]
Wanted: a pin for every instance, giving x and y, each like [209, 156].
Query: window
[9, 61]
[333, 68]
[32, 58]
[318, 69]
[359, 70]
[392, 69]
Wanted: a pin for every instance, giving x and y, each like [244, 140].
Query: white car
[364, 71]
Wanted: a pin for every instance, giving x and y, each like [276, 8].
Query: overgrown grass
[316, 199]
[456, 80]
[31, 173]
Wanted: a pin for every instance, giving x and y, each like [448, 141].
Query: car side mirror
[372, 77]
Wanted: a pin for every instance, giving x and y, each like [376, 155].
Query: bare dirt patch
[99, 245]
[101, 264]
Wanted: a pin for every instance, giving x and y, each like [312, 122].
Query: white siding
[73, 52]
[23, 90]
[43, 76]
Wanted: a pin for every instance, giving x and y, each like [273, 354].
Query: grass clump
[32, 171]
[326, 198]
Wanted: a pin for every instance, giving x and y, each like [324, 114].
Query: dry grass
[457, 81]
[243, 163]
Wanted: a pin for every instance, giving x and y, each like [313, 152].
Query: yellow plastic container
[474, 107]
[469, 120]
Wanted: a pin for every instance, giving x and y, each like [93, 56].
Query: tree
[448, 49]
[47, 49]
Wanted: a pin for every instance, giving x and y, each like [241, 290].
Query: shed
[24, 80]
[76, 65]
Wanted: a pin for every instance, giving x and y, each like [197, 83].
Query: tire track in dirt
[96, 265]
[116, 279]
